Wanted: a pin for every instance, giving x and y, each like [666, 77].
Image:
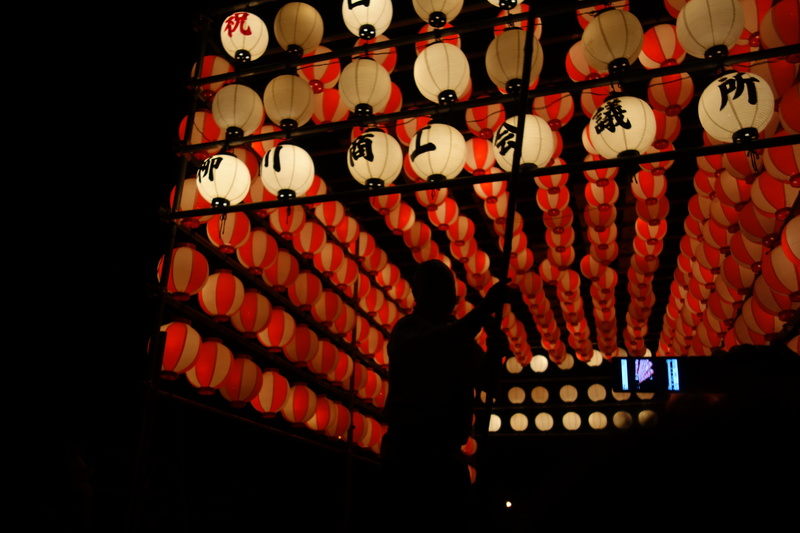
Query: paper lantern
[300, 404]
[258, 251]
[323, 74]
[365, 86]
[286, 220]
[367, 19]
[781, 273]
[211, 367]
[709, 28]
[204, 130]
[298, 28]
[577, 66]
[437, 152]
[242, 383]
[386, 57]
[238, 109]
[223, 180]
[244, 36]
[454, 38]
[287, 171]
[783, 162]
[228, 232]
[671, 93]
[504, 58]
[305, 290]
[431, 199]
[272, 394]
[441, 73]
[253, 315]
[211, 66]
[557, 109]
[736, 107]
[181, 348]
[483, 121]
[779, 26]
[401, 219]
[437, 13]
[187, 274]
[537, 143]
[282, 272]
[660, 47]
[622, 126]
[221, 296]
[612, 40]
[289, 101]
[375, 158]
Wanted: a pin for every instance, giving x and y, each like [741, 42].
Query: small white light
[508, 505]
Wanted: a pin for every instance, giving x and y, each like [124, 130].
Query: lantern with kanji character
[244, 36]
[223, 180]
[622, 126]
[287, 171]
[736, 107]
[374, 158]
[537, 143]
[437, 152]
[367, 19]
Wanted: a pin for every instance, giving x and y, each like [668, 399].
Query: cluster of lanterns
[737, 278]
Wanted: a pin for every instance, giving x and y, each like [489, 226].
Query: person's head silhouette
[434, 290]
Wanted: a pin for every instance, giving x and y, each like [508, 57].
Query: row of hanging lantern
[211, 367]
[612, 148]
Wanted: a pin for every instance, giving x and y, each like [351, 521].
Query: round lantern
[211, 367]
[365, 86]
[374, 158]
[223, 180]
[253, 315]
[282, 272]
[287, 171]
[557, 109]
[212, 66]
[708, 28]
[305, 290]
[181, 348]
[367, 19]
[483, 121]
[300, 405]
[258, 251]
[244, 36]
[779, 26]
[401, 219]
[538, 144]
[309, 239]
[504, 59]
[221, 296]
[454, 39]
[736, 107]
[577, 66]
[612, 40]
[437, 152]
[437, 13]
[441, 72]
[323, 74]
[242, 383]
[622, 126]
[298, 28]
[386, 57]
[272, 394]
[660, 47]
[289, 101]
[228, 232]
[188, 272]
[238, 109]
[204, 130]
[671, 93]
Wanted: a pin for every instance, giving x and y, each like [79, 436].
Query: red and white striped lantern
[400, 219]
[211, 366]
[557, 109]
[221, 296]
[302, 347]
[300, 405]
[253, 315]
[181, 348]
[660, 47]
[188, 272]
[305, 290]
[279, 330]
[242, 383]
[258, 251]
[328, 107]
[480, 157]
[483, 121]
[671, 93]
[320, 75]
[309, 239]
[282, 273]
[228, 232]
[272, 395]
[287, 220]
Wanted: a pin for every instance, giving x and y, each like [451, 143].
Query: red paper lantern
[385, 203]
[305, 291]
[329, 106]
[578, 68]
[228, 232]
[461, 230]
[188, 272]
[480, 157]
[282, 272]
[300, 405]
[323, 74]
[599, 174]
[783, 162]
[347, 230]
[598, 218]
[462, 252]
[210, 367]
[342, 370]
[557, 109]
[668, 127]
[221, 296]
[329, 258]
[671, 93]
[287, 220]
[374, 262]
[258, 251]
[483, 121]
[661, 48]
[431, 198]
[302, 347]
[444, 215]
[417, 235]
[781, 274]
[242, 383]
[406, 128]
[345, 322]
[279, 330]
[552, 201]
[181, 348]
[309, 239]
[253, 314]
[272, 395]
[190, 200]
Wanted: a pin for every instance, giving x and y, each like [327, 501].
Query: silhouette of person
[434, 361]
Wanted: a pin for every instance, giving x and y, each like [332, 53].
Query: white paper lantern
[367, 18]
[504, 60]
[538, 143]
[244, 36]
[518, 422]
[495, 423]
[623, 126]
[437, 13]
[238, 109]
[736, 107]
[298, 28]
[437, 152]
[288, 101]
[223, 180]
[365, 86]
[708, 28]
[544, 421]
[441, 72]
[287, 171]
[375, 158]
[612, 40]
